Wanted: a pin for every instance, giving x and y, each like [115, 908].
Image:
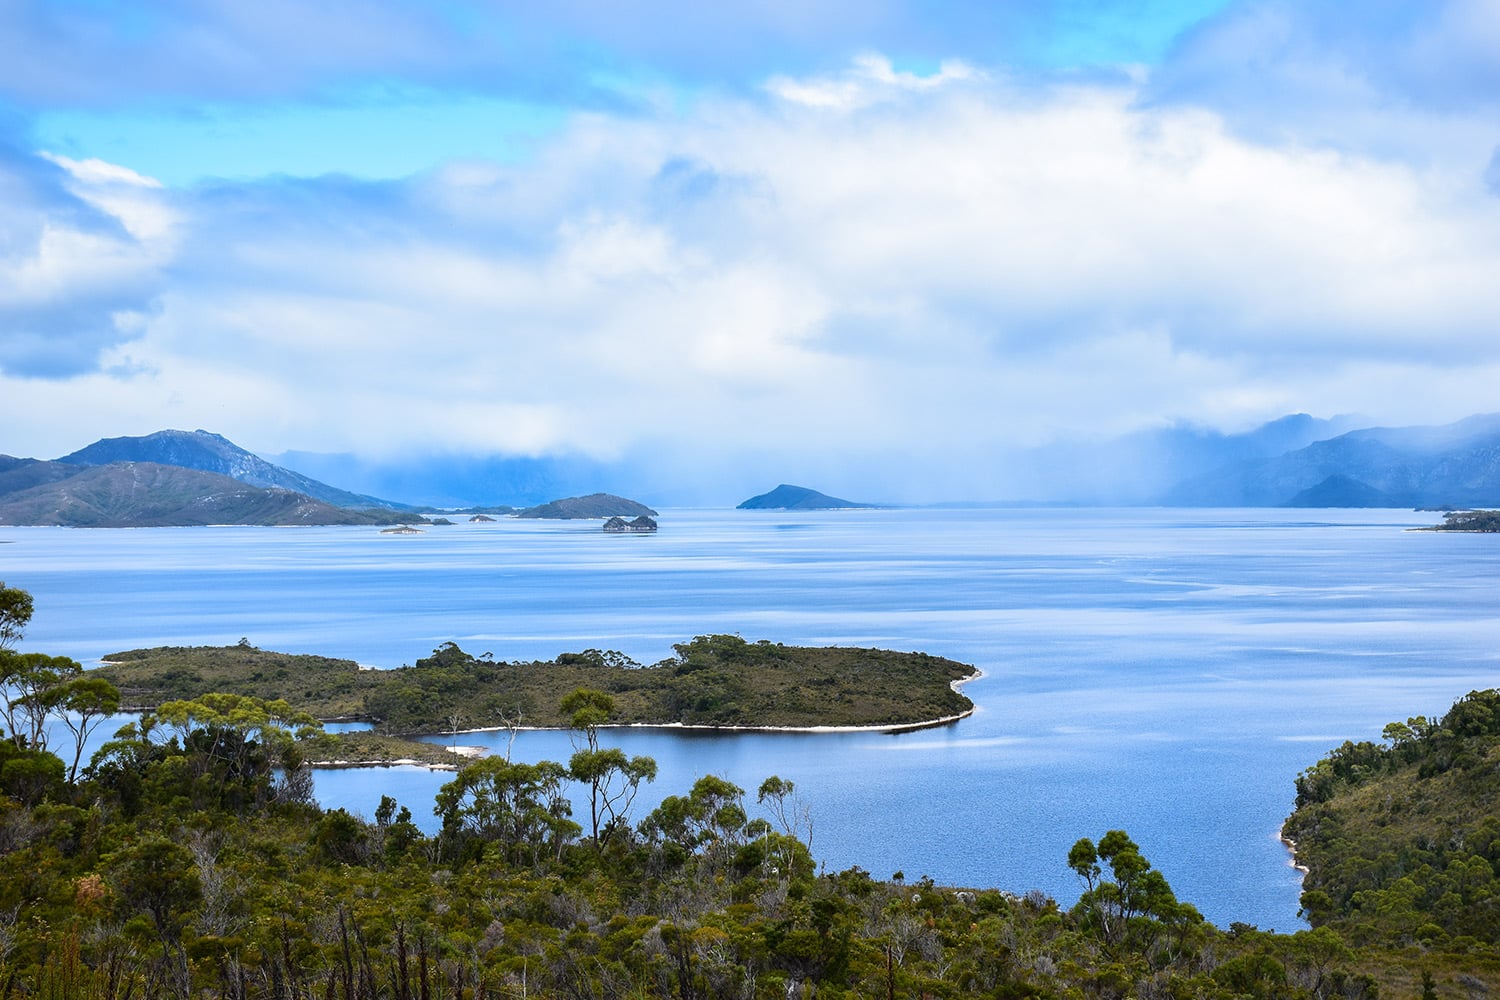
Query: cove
[1167, 672]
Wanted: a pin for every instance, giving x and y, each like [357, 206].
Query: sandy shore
[475, 752]
[1291, 847]
[334, 765]
[889, 727]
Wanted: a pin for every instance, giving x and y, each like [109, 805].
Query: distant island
[711, 681]
[595, 505]
[786, 497]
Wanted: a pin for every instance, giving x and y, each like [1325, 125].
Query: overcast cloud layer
[869, 250]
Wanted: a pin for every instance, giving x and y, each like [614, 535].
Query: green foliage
[179, 865]
[16, 608]
[1469, 520]
[711, 681]
[520, 808]
[1136, 903]
[1402, 840]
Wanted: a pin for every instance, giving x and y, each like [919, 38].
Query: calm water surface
[1163, 671]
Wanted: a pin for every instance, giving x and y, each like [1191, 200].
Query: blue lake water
[1168, 672]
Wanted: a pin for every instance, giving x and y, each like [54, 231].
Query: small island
[594, 505]
[786, 497]
[713, 681]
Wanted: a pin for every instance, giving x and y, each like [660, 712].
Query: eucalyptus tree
[710, 823]
[85, 703]
[1135, 891]
[236, 742]
[36, 689]
[31, 686]
[612, 778]
[520, 807]
[15, 612]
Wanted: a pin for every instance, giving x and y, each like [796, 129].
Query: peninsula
[718, 681]
[1468, 520]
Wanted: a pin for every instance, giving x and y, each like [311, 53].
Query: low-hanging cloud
[856, 268]
[81, 245]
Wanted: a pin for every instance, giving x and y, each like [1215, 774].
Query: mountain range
[1456, 465]
[174, 478]
[149, 494]
[180, 477]
[208, 452]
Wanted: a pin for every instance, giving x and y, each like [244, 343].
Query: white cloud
[871, 78]
[872, 264]
[82, 245]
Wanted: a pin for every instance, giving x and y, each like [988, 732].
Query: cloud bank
[882, 279]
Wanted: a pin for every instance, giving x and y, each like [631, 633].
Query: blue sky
[863, 244]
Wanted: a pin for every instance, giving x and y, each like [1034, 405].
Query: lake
[1166, 672]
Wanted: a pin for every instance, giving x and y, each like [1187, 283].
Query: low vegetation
[1468, 520]
[1402, 842]
[187, 861]
[718, 680]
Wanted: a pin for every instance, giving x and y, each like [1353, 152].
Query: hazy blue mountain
[449, 480]
[1136, 468]
[1140, 468]
[786, 497]
[208, 452]
[1456, 464]
[1341, 491]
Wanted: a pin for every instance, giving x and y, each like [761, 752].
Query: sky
[882, 248]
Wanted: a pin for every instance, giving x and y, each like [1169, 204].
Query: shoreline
[884, 727]
[475, 752]
[1291, 848]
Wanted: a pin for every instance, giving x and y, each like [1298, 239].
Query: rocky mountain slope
[148, 494]
[208, 452]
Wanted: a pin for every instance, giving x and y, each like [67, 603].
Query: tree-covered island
[713, 680]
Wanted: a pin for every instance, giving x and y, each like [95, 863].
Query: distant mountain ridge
[1296, 461]
[149, 494]
[209, 452]
[1454, 464]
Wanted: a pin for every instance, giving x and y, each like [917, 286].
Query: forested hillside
[1402, 839]
[187, 860]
